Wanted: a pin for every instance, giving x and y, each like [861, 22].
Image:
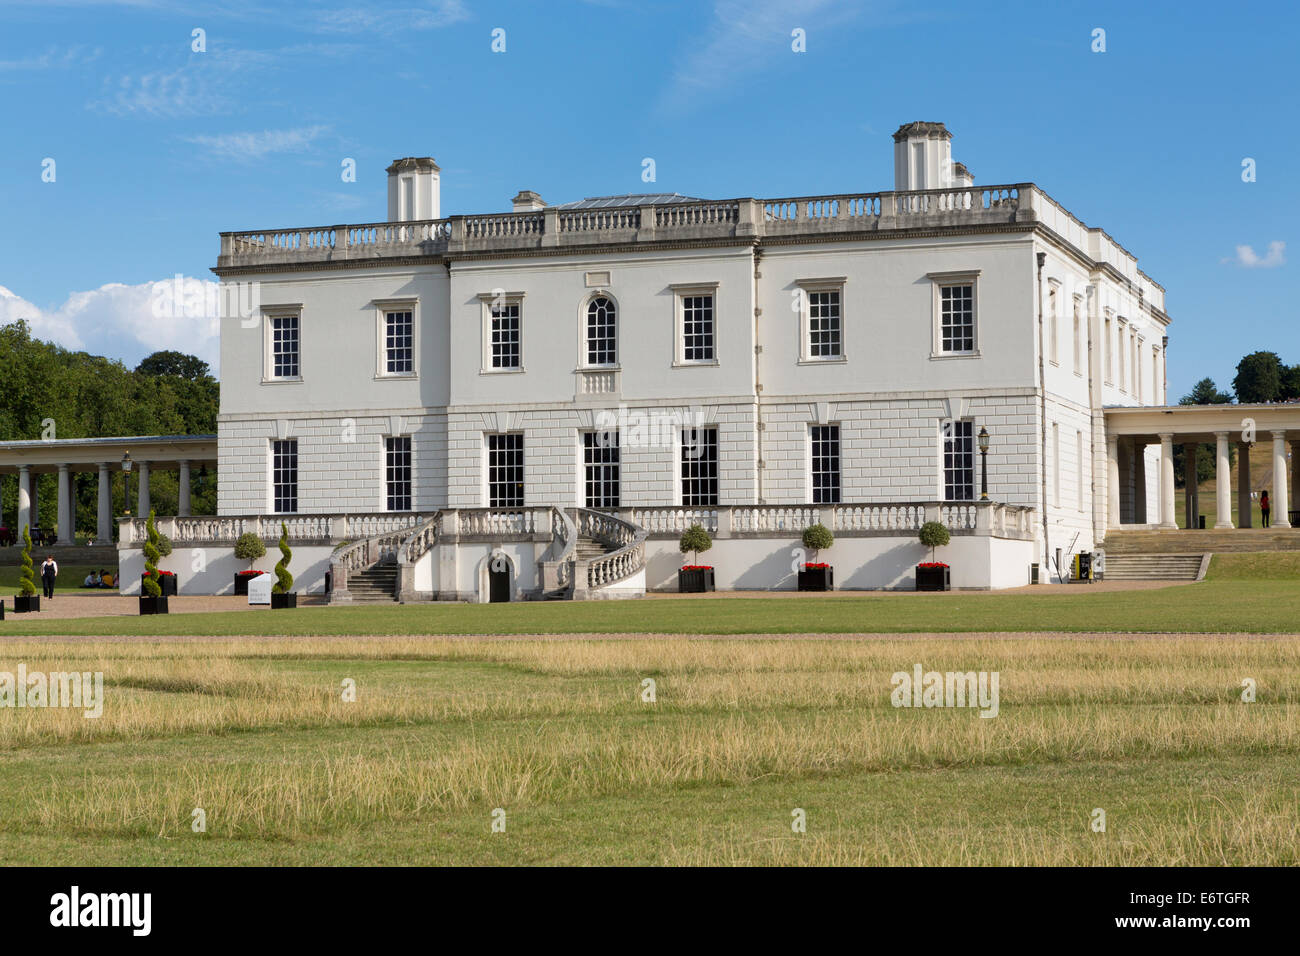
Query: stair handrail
[418, 543]
[628, 540]
[564, 531]
[362, 554]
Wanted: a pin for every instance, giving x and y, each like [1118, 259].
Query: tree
[817, 537]
[283, 579]
[695, 539]
[1205, 392]
[934, 534]
[1290, 390]
[249, 547]
[152, 586]
[26, 580]
[178, 364]
[1259, 378]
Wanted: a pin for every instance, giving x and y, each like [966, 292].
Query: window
[1078, 466]
[1108, 347]
[505, 471]
[699, 467]
[825, 464]
[505, 335]
[823, 325]
[1056, 464]
[958, 461]
[284, 476]
[600, 458]
[397, 473]
[954, 313]
[1119, 355]
[1156, 396]
[1078, 337]
[1137, 366]
[399, 343]
[284, 346]
[601, 332]
[1052, 334]
[697, 328]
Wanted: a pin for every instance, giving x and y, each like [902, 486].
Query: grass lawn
[742, 733]
[69, 580]
[1234, 598]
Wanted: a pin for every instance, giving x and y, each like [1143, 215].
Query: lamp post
[984, 463]
[126, 478]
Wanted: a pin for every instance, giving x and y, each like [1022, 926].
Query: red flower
[170, 574]
[697, 567]
[815, 567]
[932, 564]
[244, 574]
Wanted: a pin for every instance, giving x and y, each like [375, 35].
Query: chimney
[961, 176]
[923, 157]
[413, 189]
[528, 201]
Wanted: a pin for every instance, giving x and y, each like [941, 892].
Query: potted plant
[152, 600]
[166, 579]
[249, 548]
[281, 597]
[933, 575]
[815, 575]
[695, 578]
[26, 599]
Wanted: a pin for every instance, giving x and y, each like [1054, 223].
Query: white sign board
[259, 589]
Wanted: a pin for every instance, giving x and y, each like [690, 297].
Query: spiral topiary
[283, 579]
[26, 579]
[151, 556]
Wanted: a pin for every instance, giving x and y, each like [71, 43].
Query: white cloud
[1276, 256]
[118, 321]
[250, 146]
[179, 93]
[369, 19]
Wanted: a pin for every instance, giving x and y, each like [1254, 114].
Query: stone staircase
[1154, 567]
[376, 584]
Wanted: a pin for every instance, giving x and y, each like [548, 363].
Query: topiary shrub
[934, 534]
[283, 579]
[26, 578]
[695, 540]
[817, 537]
[164, 544]
[249, 547]
[151, 555]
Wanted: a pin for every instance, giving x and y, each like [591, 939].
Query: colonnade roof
[86, 454]
[1202, 423]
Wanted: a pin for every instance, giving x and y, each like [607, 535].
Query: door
[499, 585]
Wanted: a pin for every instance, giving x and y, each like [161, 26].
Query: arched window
[602, 341]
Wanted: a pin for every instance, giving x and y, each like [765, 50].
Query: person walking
[49, 571]
[1264, 508]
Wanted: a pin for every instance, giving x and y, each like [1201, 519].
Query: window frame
[682, 292]
[944, 451]
[486, 301]
[1078, 304]
[488, 482]
[947, 280]
[269, 315]
[817, 286]
[1054, 322]
[388, 473]
[695, 500]
[837, 492]
[273, 473]
[584, 338]
[383, 308]
[614, 449]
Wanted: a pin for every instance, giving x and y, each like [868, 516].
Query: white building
[765, 363]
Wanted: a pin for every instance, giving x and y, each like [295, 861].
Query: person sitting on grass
[93, 580]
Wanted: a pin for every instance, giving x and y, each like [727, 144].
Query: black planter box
[283, 600]
[694, 582]
[165, 581]
[933, 579]
[23, 605]
[241, 583]
[817, 579]
[153, 605]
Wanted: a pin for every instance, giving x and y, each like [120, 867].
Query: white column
[1223, 481]
[183, 481]
[1112, 481]
[1281, 483]
[1243, 485]
[142, 501]
[104, 517]
[1167, 481]
[64, 506]
[24, 499]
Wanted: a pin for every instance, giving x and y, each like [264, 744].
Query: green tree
[1204, 392]
[1259, 378]
[934, 534]
[817, 537]
[26, 580]
[696, 540]
[1290, 388]
[283, 579]
[152, 587]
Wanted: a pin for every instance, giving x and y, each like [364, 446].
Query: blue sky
[158, 148]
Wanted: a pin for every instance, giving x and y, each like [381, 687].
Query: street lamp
[984, 463]
[126, 477]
